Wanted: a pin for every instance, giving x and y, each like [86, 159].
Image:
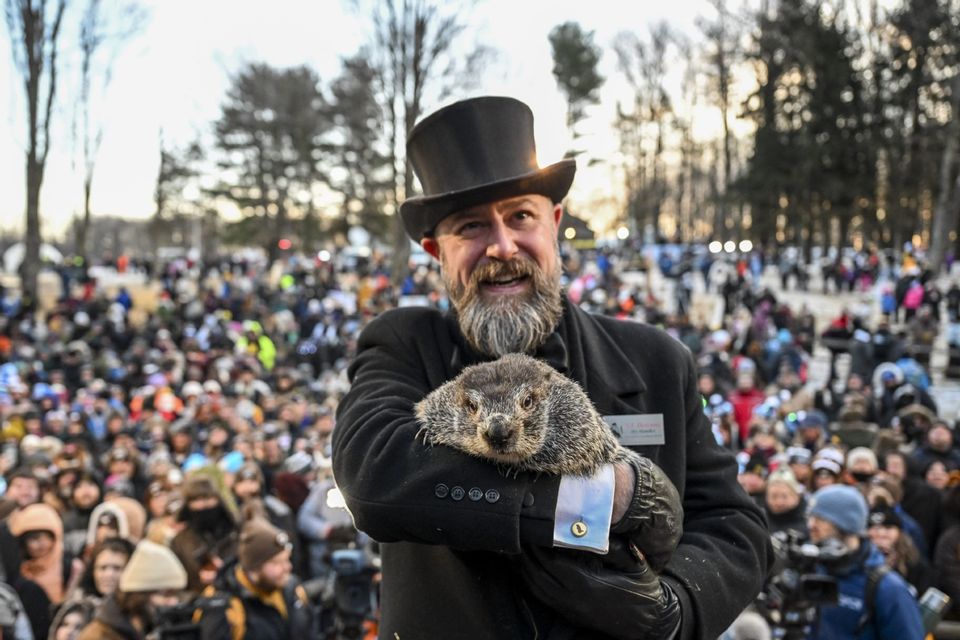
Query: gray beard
[508, 324]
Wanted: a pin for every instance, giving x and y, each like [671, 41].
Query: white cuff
[584, 509]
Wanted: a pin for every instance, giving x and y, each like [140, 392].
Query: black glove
[342, 533]
[654, 520]
[631, 604]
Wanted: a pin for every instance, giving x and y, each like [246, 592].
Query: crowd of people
[177, 451]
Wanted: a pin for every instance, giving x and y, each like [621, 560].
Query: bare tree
[722, 38]
[34, 28]
[413, 55]
[644, 65]
[101, 38]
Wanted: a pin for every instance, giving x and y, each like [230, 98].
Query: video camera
[176, 622]
[348, 596]
[791, 598]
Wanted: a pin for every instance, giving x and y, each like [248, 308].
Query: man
[249, 493]
[839, 513]
[452, 525]
[209, 539]
[264, 601]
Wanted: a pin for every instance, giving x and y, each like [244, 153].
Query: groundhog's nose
[498, 431]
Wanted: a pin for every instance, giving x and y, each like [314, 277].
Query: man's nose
[500, 242]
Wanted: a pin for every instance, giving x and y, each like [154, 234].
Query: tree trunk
[83, 229]
[30, 267]
[944, 214]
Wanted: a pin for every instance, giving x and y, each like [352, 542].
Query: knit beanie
[842, 506]
[259, 542]
[862, 454]
[786, 478]
[153, 567]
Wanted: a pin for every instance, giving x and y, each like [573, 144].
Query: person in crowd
[102, 573]
[39, 532]
[827, 467]
[946, 556]
[839, 514]
[786, 503]
[916, 499]
[14, 622]
[265, 600]
[885, 530]
[249, 492]
[938, 444]
[493, 227]
[208, 540]
[325, 525]
[152, 580]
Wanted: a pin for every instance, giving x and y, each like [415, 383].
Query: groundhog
[518, 411]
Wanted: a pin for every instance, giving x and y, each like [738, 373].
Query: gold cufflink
[579, 528]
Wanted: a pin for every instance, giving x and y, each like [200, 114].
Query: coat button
[528, 500]
[492, 495]
[457, 493]
[475, 494]
[441, 490]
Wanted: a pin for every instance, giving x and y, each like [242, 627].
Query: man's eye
[469, 228]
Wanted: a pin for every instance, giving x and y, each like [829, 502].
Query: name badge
[637, 430]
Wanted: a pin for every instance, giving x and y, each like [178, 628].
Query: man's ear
[557, 214]
[431, 246]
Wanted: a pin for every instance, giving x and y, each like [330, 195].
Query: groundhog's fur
[520, 412]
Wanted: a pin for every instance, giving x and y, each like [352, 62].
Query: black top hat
[476, 151]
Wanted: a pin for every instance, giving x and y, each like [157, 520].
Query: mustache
[503, 270]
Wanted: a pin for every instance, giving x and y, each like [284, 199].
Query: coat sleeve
[396, 488]
[723, 556]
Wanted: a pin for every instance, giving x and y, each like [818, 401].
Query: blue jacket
[896, 615]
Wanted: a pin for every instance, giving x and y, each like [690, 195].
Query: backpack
[914, 296]
[874, 576]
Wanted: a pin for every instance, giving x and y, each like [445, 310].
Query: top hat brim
[421, 214]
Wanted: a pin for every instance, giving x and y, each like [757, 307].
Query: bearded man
[468, 552]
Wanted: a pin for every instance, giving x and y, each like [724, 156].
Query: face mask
[206, 518]
[862, 476]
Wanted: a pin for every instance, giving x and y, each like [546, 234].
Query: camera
[348, 597]
[793, 595]
[177, 622]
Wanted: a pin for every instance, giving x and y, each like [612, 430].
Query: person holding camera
[264, 601]
[874, 602]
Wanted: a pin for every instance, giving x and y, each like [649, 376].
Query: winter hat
[842, 506]
[105, 511]
[153, 567]
[786, 478]
[259, 542]
[199, 486]
[36, 517]
[862, 454]
[884, 516]
[830, 459]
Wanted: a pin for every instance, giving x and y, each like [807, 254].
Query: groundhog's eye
[471, 405]
[527, 402]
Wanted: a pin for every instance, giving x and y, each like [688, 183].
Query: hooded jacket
[48, 572]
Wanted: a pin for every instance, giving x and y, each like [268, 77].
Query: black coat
[447, 570]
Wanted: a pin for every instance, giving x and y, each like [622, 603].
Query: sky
[173, 75]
